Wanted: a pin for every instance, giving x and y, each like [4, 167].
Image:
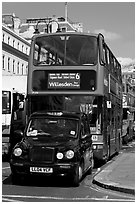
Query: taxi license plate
[41, 169]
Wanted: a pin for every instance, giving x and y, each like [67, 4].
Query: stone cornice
[6, 29]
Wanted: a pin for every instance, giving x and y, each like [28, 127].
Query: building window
[8, 40]
[3, 37]
[22, 47]
[8, 64]
[3, 62]
[13, 43]
[26, 69]
[14, 66]
[18, 68]
[18, 46]
[26, 50]
[22, 68]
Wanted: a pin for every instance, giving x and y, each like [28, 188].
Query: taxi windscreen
[52, 127]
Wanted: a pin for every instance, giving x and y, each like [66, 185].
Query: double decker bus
[78, 72]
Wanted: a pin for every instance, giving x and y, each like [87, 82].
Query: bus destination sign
[64, 81]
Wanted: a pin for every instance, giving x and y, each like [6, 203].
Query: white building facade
[15, 52]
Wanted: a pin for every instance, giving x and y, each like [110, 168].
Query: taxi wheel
[78, 175]
[15, 178]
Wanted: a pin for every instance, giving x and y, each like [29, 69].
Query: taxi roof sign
[55, 113]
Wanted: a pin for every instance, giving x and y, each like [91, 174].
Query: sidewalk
[119, 175]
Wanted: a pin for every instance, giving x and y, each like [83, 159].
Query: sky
[115, 20]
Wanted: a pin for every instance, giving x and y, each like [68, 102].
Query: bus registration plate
[41, 169]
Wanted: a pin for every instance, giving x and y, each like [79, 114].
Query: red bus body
[75, 84]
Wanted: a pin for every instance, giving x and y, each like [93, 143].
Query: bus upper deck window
[72, 50]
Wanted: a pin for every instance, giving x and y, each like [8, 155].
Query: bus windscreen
[65, 49]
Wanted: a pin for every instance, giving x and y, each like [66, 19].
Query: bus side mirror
[86, 139]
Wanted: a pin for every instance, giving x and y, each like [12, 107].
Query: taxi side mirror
[18, 134]
[83, 137]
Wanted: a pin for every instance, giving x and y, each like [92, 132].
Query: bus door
[106, 126]
[113, 131]
[119, 127]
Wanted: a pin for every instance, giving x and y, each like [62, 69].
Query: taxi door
[86, 145]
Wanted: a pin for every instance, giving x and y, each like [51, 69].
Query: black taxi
[54, 143]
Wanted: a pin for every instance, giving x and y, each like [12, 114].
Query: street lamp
[47, 25]
[51, 21]
[36, 29]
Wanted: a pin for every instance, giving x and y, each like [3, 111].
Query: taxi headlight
[69, 154]
[59, 155]
[17, 152]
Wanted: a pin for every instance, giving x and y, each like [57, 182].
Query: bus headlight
[59, 155]
[69, 154]
[17, 152]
